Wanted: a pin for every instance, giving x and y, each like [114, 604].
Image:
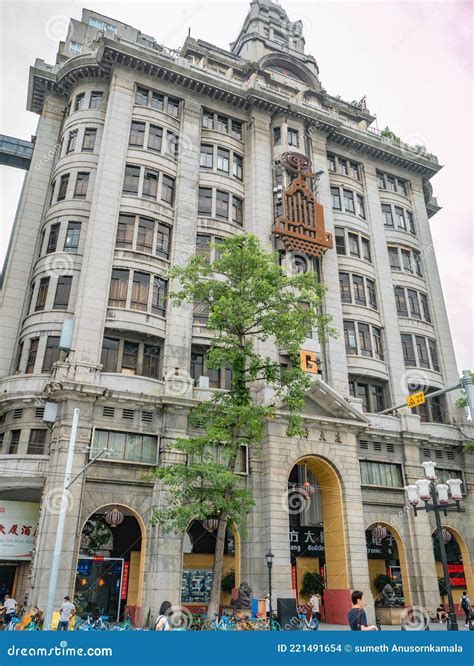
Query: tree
[249, 301]
[380, 581]
[312, 582]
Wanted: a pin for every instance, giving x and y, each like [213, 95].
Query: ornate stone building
[142, 157]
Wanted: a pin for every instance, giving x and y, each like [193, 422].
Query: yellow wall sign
[416, 399]
[308, 361]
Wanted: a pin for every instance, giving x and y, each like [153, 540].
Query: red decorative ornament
[379, 532]
[114, 518]
[210, 524]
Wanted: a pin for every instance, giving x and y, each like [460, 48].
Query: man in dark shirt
[356, 617]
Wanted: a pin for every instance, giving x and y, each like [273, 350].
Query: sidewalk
[434, 626]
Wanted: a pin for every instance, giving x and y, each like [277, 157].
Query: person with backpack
[356, 616]
[162, 621]
[465, 605]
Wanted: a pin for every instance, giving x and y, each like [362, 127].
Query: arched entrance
[110, 564]
[317, 534]
[199, 544]
[387, 561]
[459, 563]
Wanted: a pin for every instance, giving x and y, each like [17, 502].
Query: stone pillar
[24, 237]
[258, 211]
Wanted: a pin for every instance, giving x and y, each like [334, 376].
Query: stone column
[258, 211]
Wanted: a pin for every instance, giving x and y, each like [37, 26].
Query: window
[82, 182]
[51, 354]
[366, 249]
[63, 183]
[331, 163]
[167, 190]
[293, 137]
[75, 47]
[387, 215]
[400, 301]
[197, 365]
[400, 217]
[203, 247]
[417, 262]
[207, 156]
[345, 287]
[408, 350]
[365, 344]
[32, 353]
[80, 102]
[36, 442]
[402, 187]
[414, 304]
[158, 298]
[425, 307]
[371, 293]
[109, 355]
[381, 180]
[378, 344]
[150, 184]
[342, 166]
[126, 446]
[433, 354]
[96, 99]
[350, 337]
[354, 249]
[141, 96]
[14, 442]
[360, 206]
[406, 259]
[348, 201]
[53, 186]
[205, 201]
[137, 134]
[370, 391]
[157, 101]
[355, 170]
[222, 124]
[238, 167]
[336, 198]
[222, 204]
[236, 129]
[388, 475]
[42, 294]
[125, 229]
[53, 238]
[130, 358]
[394, 259]
[88, 141]
[237, 210]
[173, 107]
[221, 378]
[151, 361]
[208, 120]
[71, 142]
[411, 223]
[276, 136]
[73, 233]
[200, 313]
[340, 240]
[421, 348]
[358, 287]
[171, 144]
[155, 138]
[140, 285]
[163, 240]
[118, 288]
[63, 291]
[146, 227]
[223, 160]
[131, 179]
[391, 183]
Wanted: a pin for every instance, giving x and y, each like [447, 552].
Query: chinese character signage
[416, 399]
[307, 541]
[380, 549]
[18, 525]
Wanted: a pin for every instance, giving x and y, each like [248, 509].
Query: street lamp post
[269, 557]
[427, 490]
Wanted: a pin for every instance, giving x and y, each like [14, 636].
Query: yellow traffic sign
[416, 399]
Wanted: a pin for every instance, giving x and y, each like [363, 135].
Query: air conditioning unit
[202, 382]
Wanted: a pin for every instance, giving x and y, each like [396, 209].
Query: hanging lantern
[114, 518]
[88, 528]
[311, 490]
[379, 532]
[210, 524]
[447, 536]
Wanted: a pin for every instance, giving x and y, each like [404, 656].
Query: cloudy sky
[412, 59]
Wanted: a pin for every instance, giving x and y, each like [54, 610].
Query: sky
[413, 60]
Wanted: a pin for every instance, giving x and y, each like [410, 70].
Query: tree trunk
[213, 607]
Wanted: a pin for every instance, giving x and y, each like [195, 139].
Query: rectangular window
[406, 259]
[348, 201]
[371, 293]
[88, 141]
[293, 139]
[14, 442]
[366, 249]
[96, 99]
[365, 344]
[422, 350]
[276, 136]
[400, 301]
[222, 204]
[200, 313]
[402, 187]
[377, 398]
[131, 179]
[207, 156]
[205, 201]
[80, 102]
[203, 247]
[118, 288]
[425, 307]
[109, 355]
[73, 233]
[63, 183]
[381, 180]
[411, 223]
[342, 166]
[345, 287]
[51, 354]
[140, 286]
[63, 292]
[137, 134]
[146, 228]
[126, 446]
[82, 182]
[151, 361]
[331, 163]
[408, 350]
[223, 160]
[32, 353]
[222, 124]
[417, 263]
[173, 107]
[158, 299]
[350, 337]
[355, 170]
[391, 183]
[336, 198]
[237, 210]
[141, 96]
[171, 144]
[433, 354]
[236, 129]
[354, 249]
[387, 215]
[53, 238]
[37, 442]
[163, 240]
[157, 101]
[208, 120]
[360, 206]
[340, 240]
[358, 288]
[130, 358]
[150, 184]
[388, 475]
[197, 365]
[126, 225]
[75, 47]
[378, 344]
[238, 167]
[155, 138]
[71, 142]
[400, 218]
[394, 259]
[414, 304]
[167, 190]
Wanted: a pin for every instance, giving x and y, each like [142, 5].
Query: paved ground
[434, 626]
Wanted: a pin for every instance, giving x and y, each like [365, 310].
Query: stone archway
[465, 561]
[402, 559]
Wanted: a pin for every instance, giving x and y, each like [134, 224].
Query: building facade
[144, 156]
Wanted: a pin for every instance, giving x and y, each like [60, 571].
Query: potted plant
[312, 582]
[228, 582]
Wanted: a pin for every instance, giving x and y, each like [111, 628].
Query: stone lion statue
[244, 597]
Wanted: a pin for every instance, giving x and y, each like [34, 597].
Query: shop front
[18, 531]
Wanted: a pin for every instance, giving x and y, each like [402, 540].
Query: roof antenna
[189, 32]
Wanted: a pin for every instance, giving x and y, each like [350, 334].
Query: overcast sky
[412, 59]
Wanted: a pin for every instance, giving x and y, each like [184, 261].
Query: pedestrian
[10, 607]
[356, 616]
[66, 612]
[314, 603]
[442, 614]
[465, 605]
[162, 621]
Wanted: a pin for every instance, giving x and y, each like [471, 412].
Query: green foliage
[462, 401]
[99, 538]
[380, 581]
[312, 582]
[387, 132]
[228, 582]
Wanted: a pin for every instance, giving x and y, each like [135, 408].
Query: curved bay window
[373, 393]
